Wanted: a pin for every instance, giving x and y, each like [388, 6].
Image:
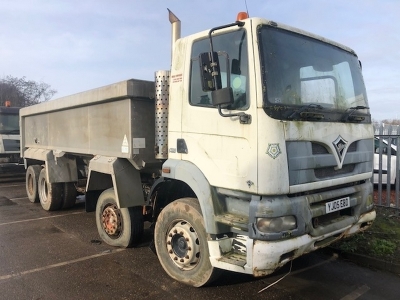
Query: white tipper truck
[255, 148]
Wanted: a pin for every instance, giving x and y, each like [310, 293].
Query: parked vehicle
[256, 150]
[9, 134]
[381, 146]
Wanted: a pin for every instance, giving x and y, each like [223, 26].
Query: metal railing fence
[386, 166]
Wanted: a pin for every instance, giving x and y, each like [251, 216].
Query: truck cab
[9, 134]
[295, 171]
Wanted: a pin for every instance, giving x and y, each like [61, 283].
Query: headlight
[271, 225]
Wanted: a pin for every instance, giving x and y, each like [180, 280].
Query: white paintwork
[223, 149]
[231, 154]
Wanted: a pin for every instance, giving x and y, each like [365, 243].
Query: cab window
[233, 58]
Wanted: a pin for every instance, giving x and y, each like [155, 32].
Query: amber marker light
[242, 16]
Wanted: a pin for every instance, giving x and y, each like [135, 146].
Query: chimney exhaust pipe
[176, 30]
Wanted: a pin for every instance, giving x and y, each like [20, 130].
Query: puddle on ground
[6, 202]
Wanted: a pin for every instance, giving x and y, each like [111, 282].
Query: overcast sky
[77, 45]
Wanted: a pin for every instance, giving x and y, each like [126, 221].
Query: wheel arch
[118, 173]
[166, 190]
[185, 173]
[59, 166]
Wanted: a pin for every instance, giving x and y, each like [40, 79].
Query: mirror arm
[213, 63]
[240, 24]
[243, 117]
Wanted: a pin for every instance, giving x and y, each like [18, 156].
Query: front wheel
[120, 227]
[181, 243]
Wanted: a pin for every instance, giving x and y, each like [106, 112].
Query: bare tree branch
[22, 92]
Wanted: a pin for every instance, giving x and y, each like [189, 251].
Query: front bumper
[268, 256]
[264, 257]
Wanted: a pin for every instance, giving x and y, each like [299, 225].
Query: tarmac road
[59, 255]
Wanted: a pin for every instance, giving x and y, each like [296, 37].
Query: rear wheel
[69, 195]
[181, 243]
[31, 183]
[120, 227]
[50, 194]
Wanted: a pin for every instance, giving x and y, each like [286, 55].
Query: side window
[232, 49]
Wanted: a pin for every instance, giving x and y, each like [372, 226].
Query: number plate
[337, 204]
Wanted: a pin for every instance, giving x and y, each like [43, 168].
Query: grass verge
[380, 241]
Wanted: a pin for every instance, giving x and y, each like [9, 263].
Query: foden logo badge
[340, 145]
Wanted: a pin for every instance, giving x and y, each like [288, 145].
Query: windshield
[302, 74]
[9, 123]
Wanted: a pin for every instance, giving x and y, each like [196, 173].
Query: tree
[391, 122]
[22, 92]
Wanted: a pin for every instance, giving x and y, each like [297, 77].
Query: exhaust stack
[162, 96]
[176, 30]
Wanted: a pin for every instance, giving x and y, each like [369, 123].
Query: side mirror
[210, 71]
[222, 96]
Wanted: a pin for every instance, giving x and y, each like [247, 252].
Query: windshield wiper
[308, 111]
[350, 111]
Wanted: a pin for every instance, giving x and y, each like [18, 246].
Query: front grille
[323, 221]
[352, 147]
[332, 172]
[318, 149]
[327, 219]
[314, 161]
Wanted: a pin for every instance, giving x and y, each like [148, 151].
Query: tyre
[50, 194]
[69, 195]
[31, 183]
[181, 243]
[119, 227]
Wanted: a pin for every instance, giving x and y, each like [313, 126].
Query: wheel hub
[30, 184]
[44, 191]
[183, 245]
[111, 220]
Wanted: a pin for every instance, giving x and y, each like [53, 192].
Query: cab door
[223, 148]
